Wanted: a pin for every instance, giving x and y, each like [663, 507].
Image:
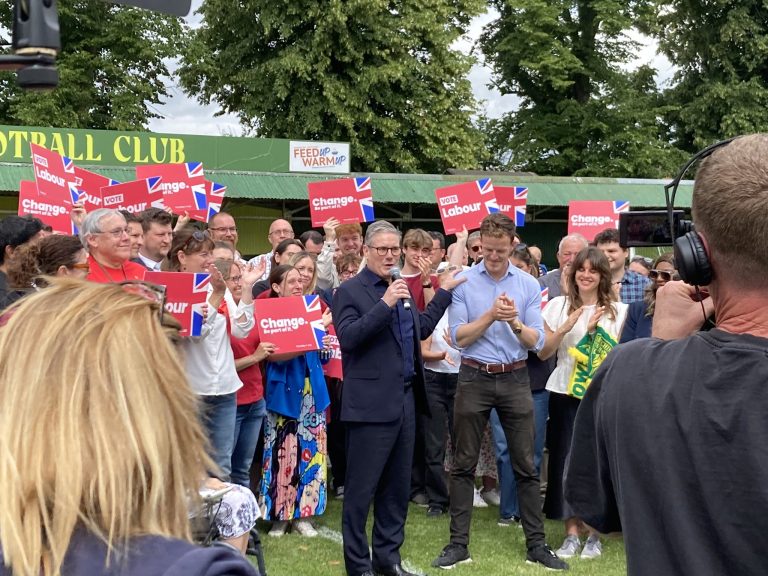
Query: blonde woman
[101, 449]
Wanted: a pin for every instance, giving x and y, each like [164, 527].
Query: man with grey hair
[474, 246]
[380, 337]
[104, 234]
[566, 251]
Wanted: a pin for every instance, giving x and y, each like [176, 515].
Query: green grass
[494, 550]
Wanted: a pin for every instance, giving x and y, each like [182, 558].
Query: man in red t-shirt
[104, 234]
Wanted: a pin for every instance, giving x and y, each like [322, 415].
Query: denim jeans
[507, 484]
[219, 420]
[247, 429]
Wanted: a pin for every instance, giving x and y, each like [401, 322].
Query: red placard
[332, 368]
[349, 200]
[185, 295]
[214, 194]
[465, 205]
[135, 196]
[590, 217]
[512, 201]
[47, 208]
[183, 185]
[89, 185]
[292, 324]
[54, 175]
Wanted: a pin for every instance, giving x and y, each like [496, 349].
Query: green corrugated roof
[408, 188]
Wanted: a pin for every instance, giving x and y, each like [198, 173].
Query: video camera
[662, 227]
[36, 41]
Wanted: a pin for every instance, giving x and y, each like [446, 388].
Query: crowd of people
[450, 357]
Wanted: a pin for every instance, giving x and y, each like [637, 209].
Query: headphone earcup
[692, 261]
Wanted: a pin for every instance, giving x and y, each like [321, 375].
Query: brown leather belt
[493, 368]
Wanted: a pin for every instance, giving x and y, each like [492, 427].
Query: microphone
[394, 273]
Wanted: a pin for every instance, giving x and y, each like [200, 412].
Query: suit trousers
[510, 394]
[379, 459]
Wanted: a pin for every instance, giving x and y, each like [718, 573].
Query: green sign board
[108, 148]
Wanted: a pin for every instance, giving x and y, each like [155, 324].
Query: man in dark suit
[383, 388]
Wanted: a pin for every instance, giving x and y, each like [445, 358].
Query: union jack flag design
[194, 169]
[491, 206]
[484, 185]
[69, 166]
[312, 304]
[200, 283]
[215, 195]
[521, 199]
[620, 206]
[363, 185]
[544, 296]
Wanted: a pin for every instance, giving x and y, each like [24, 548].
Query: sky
[185, 115]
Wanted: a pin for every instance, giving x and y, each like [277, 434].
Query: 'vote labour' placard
[89, 185]
[466, 204]
[135, 196]
[185, 296]
[589, 217]
[512, 201]
[49, 209]
[348, 200]
[54, 174]
[292, 324]
[183, 185]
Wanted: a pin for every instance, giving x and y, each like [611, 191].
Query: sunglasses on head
[152, 292]
[663, 274]
[198, 236]
[475, 248]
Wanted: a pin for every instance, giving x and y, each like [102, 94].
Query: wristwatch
[517, 328]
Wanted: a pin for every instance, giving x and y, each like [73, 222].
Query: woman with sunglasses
[209, 358]
[294, 486]
[589, 304]
[102, 449]
[640, 315]
[522, 259]
[56, 255]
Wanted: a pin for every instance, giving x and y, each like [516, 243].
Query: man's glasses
[197, 236]
[287, 232]
[382, 250]
[475, 248]
[424, 251]
[152, 292]
[230, 229]
[663, 274]
[116, 233]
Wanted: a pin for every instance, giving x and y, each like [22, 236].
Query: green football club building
[267, 179]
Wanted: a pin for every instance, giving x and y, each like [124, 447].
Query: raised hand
[330, 229]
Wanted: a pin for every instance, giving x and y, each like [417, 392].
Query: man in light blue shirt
[495, 319]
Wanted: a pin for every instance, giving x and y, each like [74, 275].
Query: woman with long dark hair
[586, 321]
[640, 316]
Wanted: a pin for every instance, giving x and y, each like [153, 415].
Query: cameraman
[682, 466]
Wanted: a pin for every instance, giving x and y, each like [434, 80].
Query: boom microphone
[394, 273]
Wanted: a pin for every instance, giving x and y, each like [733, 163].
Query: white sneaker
[593, 548]
[478, 501]
[570, 547]
[305, 528]
[491, 497]
[279, 527]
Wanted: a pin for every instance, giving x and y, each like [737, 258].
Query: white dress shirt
[208, 358]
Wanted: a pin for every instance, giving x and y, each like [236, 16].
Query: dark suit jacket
[371, 356]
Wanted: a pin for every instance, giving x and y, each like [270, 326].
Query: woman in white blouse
[589, 303]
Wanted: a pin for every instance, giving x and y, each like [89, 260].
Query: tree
[720, 50]
[111, 69]
[379, 74]
[580, 112]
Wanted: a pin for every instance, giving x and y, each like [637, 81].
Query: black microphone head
[394, 273]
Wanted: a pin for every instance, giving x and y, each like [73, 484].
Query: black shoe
[434, 511]
[394, 570]
[451, 555]
[420, 499]
[543, 554]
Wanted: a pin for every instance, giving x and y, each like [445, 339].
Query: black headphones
[691, 257]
